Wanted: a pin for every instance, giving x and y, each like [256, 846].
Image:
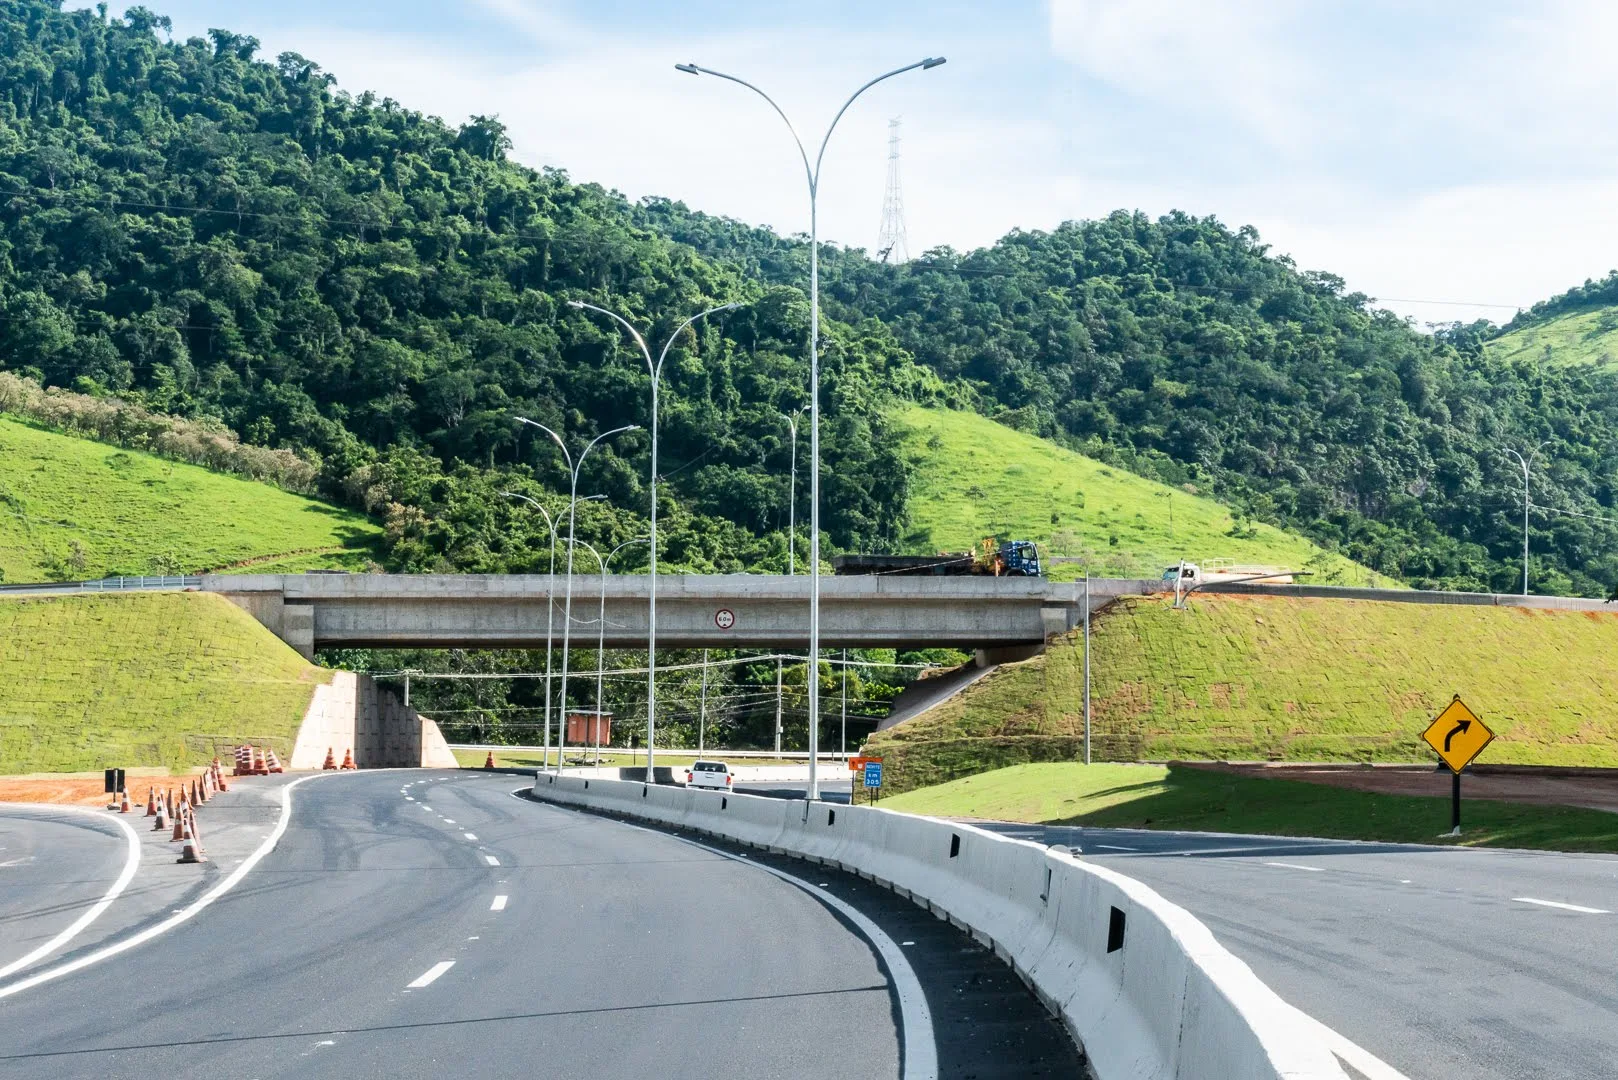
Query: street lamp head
[931, 62]
[689, 69]
[575, 303]
[522, 419]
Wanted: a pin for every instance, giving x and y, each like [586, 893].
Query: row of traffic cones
[256, 762]
[331, 760]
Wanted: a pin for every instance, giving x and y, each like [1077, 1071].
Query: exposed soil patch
[81, 790]
[1596, 789]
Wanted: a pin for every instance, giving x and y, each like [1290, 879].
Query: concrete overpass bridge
[1002, 618]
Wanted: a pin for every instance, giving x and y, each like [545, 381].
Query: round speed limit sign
[724, 618]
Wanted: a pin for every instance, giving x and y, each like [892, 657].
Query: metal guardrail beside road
[174, 583]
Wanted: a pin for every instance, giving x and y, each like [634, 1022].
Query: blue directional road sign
[873, 774]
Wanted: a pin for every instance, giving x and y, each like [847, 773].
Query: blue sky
[1455, 151]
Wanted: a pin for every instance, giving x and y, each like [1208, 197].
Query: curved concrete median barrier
[1143, 986]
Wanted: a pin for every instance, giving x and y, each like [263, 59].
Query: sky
[1455, 159]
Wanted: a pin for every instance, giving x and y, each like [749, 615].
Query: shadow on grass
[1199, 800]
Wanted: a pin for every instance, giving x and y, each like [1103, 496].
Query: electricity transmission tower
[890, 241]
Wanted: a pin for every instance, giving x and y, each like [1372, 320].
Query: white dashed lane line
[499, 904]
[492, 860]
[1298, 866]
[1582, 910]
[427, 977]
[470, 835]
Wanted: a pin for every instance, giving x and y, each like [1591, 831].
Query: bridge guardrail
[1142, 985]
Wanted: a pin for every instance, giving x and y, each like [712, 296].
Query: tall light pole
[812, 174]
[601, 635]
[572, 515]
[1526, 463]
[550, 609]
[655, 370]
[792, 553]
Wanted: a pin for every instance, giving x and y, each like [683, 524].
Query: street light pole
[702, 708]
[550, 609]
[812, 174]
[601, 636]
[655, 370]
[1526, 463]
[792, 554]
[567, 604]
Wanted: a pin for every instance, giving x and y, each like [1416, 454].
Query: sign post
[1458, 736]
[873, 777]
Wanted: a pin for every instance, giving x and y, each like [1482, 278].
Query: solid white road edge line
[920, 1048]
[1351, 1053]
[1297, 866]
[131, 864]
[430, 974]
[1564, 907]
[184, 914]
[499, 903]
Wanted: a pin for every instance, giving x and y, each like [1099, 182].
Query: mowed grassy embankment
[93, 682]
[1168, 797]
[971, 477]
[1575, 337]
[1261, 678]
[73, 509]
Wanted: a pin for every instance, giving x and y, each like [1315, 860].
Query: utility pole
[702, 709]
[1087, 667]
[842, 745]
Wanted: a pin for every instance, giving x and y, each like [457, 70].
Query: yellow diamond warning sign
[1457, 735]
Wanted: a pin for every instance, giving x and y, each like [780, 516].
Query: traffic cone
[198, 796]
[151, 802]
[258, 764]
[219, 775]
[192, 852]
[123, 801]
[271, 762]
[179, 825]
[348, 759]
[488, 762]
[331, 759]
[162, 815]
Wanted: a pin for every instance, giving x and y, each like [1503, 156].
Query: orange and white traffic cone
[192, 852]
[179, 824]
[488, 762]
[198, 796]
[151, 801]
[123, 801]
[219, 776]
[348, 759]
[162, 815]
[331, 759]
[271, 762]
[258, 764]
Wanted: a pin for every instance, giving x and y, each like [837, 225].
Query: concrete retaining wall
[352, 713]
[1142, 985]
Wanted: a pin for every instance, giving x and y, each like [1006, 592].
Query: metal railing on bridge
[168, 583]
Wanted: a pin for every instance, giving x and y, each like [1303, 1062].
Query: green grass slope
[72, 509]
[1576, 337]
[1159, 797]
[1262, 678]
[91, 682]
[971, 477]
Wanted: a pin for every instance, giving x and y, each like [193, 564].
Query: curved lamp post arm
[924, 64]
[657, 372]
[621, 321]
[557, 439]
[695, 69]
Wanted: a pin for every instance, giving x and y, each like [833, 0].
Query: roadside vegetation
[1273, 679]
[1171, 797]
[971, 477]
[72, 509]
[145, 680]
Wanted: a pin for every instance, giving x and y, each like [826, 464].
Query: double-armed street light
[550, 607]
[792, 549]
[812, 174]
[601, 629]
[567, 605]
[655, 370]
[1527, 463]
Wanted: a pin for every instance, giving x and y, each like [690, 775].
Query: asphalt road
[54, 866]
[381, 939]
[1443, 962]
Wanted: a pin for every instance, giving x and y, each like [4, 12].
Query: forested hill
[214, 235]
[210, 234]
[1189, 352]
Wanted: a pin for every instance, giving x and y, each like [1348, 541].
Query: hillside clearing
[1170, 797]
[73, 509]
[1281, 679]
[147, 680]
[1576, 337]
[972, 477]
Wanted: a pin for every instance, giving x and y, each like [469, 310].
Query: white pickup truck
[709, 774]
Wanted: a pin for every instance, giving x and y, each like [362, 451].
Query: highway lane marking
[131, 864]
[920, 1049]
[499, 903]
[427, 808]
[1351, 1053]
[1564, 907]
[470, 835]
[1297, 866]
[1114, 847]
[431, 974]
[492, 860]
[184, 914]
[449, 821]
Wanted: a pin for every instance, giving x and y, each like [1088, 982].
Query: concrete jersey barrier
[1141, 984]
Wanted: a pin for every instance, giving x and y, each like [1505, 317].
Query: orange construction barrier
[331, 759]
[271, 762]
[348, 759]
[488, 762]
[244, 761]
[151, 801]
